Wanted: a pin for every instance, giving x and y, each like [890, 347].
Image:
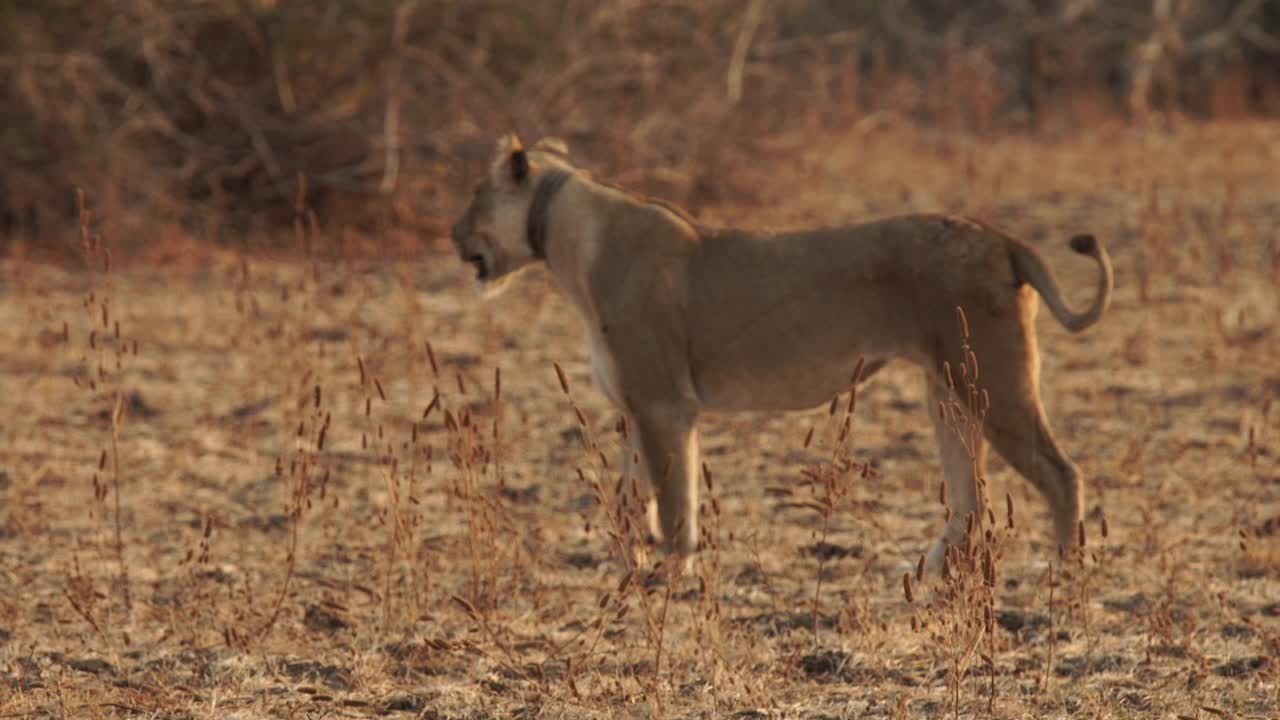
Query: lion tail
[1030, 268]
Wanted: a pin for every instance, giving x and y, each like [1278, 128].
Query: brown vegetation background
[201, 116]
[264, 453]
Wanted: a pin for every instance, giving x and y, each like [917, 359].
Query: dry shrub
[206, 115]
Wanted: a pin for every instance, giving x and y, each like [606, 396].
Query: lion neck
[549, 184]
[573, 225]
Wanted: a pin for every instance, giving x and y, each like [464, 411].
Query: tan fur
[684, 318]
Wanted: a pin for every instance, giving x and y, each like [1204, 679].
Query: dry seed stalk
[623, 527]
[827, 478]
[100, 293]
[961, 613]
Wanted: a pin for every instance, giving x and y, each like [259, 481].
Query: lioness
[683, 318]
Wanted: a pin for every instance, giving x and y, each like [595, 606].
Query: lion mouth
[482, 270]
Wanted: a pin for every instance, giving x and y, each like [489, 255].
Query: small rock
[1079, 665]
[335, 678]
[324, 619]
[135, 407]
[581, 560]
[828, 551]
[1017, 620]
[1237, 630]
[521, 496]
[1240, 667]
[404, 703]
[824, 663]
[93, 666]
[244, 412]
[333, 334]
[837, 666]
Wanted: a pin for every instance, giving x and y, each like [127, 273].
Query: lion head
[497, 232]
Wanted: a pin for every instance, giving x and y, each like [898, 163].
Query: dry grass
[289, 488]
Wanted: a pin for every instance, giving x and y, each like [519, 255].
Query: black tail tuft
[1084, 244]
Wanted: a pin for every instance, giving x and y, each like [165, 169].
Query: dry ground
[248, 505]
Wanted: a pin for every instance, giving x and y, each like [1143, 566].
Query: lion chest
[603, 369]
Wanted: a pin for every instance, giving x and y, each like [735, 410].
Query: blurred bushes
[205, 113]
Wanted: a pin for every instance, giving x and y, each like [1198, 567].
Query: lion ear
[554, 145]
[511, 159]
[519, 165]
[507, 144]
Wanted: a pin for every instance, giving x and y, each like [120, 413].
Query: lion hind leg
[1017, 427]
[1015, 423]
[1023, 439]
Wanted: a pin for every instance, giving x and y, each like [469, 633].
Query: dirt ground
[240, 487]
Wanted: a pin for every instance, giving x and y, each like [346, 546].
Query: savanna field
[238, 485]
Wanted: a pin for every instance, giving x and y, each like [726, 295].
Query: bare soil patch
[247, 489]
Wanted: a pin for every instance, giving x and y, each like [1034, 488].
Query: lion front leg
[641, 358]
[668, 439]
[633, 467]
[961, 466]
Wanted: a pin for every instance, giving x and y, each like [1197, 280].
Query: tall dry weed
[104, 364]
[958, 618]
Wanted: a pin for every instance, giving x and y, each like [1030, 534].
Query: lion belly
[798, 367]
[785, 389]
